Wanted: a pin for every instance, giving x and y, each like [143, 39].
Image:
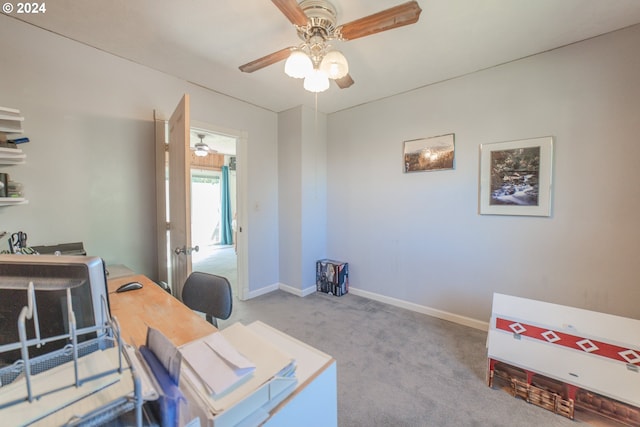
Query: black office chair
[209, 294]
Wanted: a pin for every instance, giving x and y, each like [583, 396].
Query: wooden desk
[315, 398]
[153, 307]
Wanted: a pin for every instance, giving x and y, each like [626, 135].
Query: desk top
[153, 307]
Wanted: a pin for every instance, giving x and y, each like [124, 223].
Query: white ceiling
[204, 41]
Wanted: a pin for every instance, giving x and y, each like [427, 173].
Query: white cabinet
[568, 356]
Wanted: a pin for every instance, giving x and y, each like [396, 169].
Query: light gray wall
[314, 195]
[302, 195]
[415, 237]
[90, 174]
[289, 196]
[419, 238]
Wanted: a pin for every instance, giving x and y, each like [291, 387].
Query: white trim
[296, 291]
[310, 290]
[242, 236]
[290, 289]
[262, 291]
[429, 311]
[433, 312]
[242, 239]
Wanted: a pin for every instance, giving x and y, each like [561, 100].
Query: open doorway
[214, 204]
[175, 143]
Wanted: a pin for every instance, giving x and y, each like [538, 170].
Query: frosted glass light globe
[298, 65]
[316, 81]
[334, 64]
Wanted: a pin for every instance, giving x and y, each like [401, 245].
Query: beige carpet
[396, 367]
[217, 259]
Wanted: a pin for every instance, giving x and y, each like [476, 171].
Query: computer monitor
[51, 276]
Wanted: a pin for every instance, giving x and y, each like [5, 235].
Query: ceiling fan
[316, 24]
[201, 148]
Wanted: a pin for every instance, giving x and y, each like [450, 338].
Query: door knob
[186, 251]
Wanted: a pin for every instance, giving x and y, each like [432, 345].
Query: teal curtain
[226, 233]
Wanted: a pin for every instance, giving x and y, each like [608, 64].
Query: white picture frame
[516, 177]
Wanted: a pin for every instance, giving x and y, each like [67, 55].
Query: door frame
[242, 242]
[161, 147]
[241, 200]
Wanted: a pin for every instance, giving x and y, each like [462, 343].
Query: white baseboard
[429, 311]
[263, 291]
[434, 312]
[282, 286]
[296, 291]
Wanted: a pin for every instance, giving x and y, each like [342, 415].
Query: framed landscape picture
[515, 177]
[428, 154]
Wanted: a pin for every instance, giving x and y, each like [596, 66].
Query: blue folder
[170, 396]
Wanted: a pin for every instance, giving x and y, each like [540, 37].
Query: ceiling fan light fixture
[316, 22]
[201, 149]
[316, 81]
[298, 65]
[334, 64]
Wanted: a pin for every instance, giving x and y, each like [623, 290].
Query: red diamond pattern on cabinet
[583, 344]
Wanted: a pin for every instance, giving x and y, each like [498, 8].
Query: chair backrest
[209, 294]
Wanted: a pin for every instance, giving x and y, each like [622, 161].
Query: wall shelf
[12, 156]
[11, 201]
[10, 120]
[10, 123]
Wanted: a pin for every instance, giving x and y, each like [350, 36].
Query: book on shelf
[18, 140]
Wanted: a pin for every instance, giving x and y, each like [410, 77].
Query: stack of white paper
[218, 364]
[270, 381]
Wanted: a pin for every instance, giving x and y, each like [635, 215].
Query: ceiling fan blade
[398, 16]
[344, 82]
[292, 11]
[265, 61]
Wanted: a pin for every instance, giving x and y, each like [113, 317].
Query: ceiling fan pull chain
[316, 118]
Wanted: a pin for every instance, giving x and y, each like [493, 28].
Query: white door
[179, 196]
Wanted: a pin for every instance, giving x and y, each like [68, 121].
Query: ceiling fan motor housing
[323, 18]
